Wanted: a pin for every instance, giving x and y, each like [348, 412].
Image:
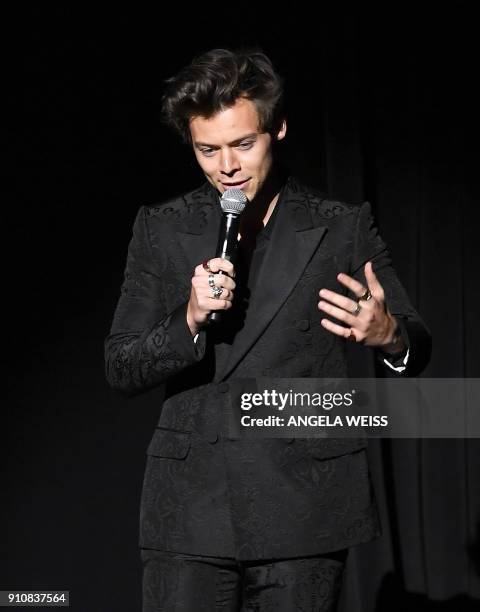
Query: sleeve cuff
[190, 348]
[398, 362]
[398, 368]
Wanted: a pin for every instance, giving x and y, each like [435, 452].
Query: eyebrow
[230, 144]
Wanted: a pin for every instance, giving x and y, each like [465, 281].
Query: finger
[202, 282]
[206, 293]
[222, 280]
[338, 299]
[355, 287]
[374, 285]
[225, 295]
[344, 332]
[219, 304]
[217, 263]
[207, 302]
[200, 271]
[338, 313]
[338, 330]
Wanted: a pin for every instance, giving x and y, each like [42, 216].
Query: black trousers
[174, 582]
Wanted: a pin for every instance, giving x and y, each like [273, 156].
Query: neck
[259, 210]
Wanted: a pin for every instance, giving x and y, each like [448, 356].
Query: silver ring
[211, 280]
[366, 296]
[358, 308]
[217, 292]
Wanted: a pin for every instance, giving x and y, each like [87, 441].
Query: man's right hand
[202, 301]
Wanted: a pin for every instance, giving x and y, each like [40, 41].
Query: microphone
[233, 203]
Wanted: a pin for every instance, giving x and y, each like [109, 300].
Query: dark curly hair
[215, 80]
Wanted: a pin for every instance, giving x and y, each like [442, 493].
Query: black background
[381, 106]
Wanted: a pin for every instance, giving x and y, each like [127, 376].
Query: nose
[229, 163]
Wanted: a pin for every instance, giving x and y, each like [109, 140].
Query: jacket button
[303, 324]
[223, 387]
[212, 437]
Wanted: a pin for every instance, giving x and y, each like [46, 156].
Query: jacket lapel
[293, 242]
[198, 231]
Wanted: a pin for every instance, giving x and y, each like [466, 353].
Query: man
[263, 524]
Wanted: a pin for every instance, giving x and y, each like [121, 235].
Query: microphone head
[233, 201]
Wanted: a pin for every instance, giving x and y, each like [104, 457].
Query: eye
[245, 145]
[207, 152]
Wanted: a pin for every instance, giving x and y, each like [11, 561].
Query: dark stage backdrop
[381, 109]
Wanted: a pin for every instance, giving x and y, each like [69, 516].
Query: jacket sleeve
[147, 344]
[369, 246]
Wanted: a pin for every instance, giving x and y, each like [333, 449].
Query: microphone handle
[226, 249]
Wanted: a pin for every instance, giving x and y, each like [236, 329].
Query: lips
[238, 184]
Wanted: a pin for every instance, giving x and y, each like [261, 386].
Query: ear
[282, 131]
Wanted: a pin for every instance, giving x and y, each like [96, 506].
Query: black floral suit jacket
[204, 492]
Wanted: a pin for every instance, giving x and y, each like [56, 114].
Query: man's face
[231, 150]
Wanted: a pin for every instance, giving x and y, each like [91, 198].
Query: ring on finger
[358, 308]
[217, 292]
[211, 280]
[366, 296]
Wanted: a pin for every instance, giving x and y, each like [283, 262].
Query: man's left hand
[368, 319]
